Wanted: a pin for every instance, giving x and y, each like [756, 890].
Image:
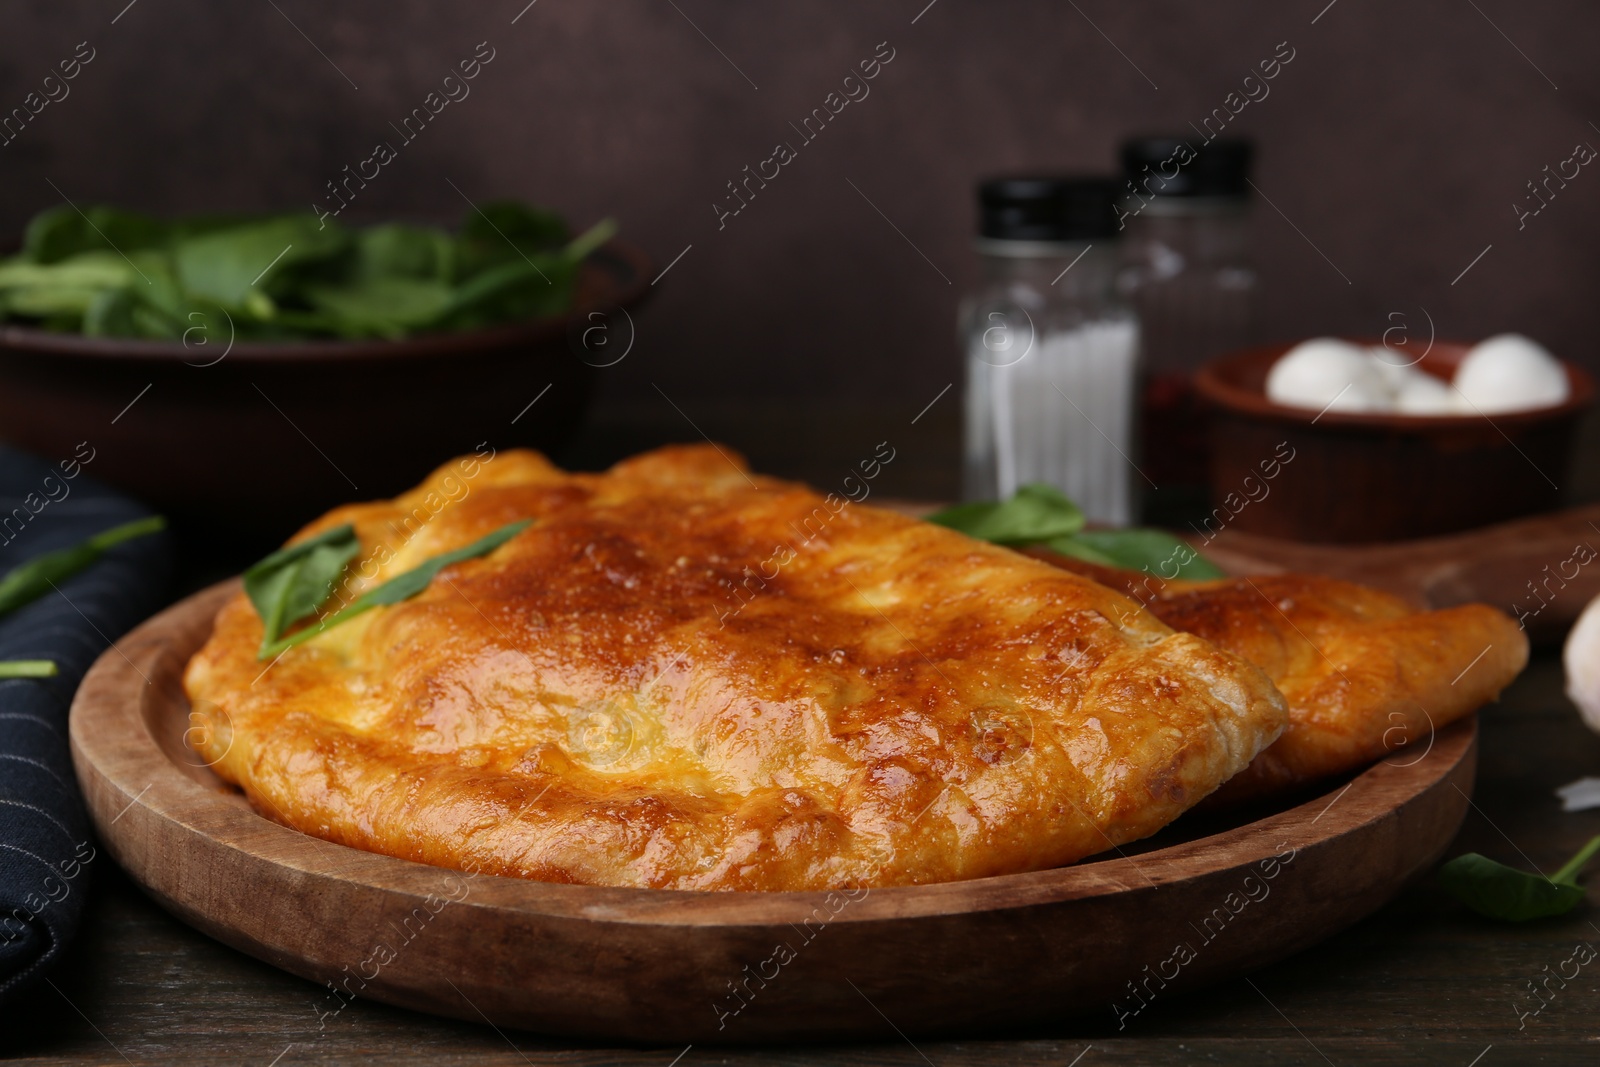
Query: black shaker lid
[1192, 166]
[1045, 208]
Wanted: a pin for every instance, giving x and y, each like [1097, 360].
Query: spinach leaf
[527, 228]
[1035, 512]
[110, 314]
[1078, 549]
[1042, 514]
[381, 307]
[399, 251]
[29, 581]
[232, 266]
[1499, 892]
[52, 301]
[1143, 549]
[514, 290]
[292, 583]
[586, 242]
[27, 668]
[400, 587]
[111, 273]
[63, 231]
[84, 270]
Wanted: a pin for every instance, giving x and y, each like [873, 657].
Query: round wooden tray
[1103, 937]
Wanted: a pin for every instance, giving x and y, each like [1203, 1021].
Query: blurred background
[1391, 149]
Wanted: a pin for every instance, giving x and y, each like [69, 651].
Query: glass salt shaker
[1051, 348]
[1184, 216]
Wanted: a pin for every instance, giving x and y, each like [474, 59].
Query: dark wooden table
[1422, 981]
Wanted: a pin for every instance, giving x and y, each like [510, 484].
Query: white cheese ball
[1326, 373]
[1581, 658]
[1510, 373]
[1394, 366]
[1420, 393]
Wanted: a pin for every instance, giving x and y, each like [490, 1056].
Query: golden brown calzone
[684, 675]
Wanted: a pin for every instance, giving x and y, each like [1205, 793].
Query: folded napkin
[46, 849]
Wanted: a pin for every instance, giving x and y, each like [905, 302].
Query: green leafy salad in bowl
[105, 272]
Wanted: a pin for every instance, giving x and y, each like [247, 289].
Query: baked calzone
[684, 675]
[1364, 673]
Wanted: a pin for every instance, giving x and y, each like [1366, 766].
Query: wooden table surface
[1422, 981]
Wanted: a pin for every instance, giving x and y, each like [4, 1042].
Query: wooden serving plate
[1097, 938]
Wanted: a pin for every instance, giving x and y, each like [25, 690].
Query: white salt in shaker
[1052, 351]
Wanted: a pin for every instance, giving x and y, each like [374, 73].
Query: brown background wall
[1396, 141]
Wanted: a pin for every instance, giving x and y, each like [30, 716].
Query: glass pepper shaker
[1052, 348]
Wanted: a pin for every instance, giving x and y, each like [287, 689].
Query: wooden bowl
[233, 443]
[643, 965]
[1378, 477]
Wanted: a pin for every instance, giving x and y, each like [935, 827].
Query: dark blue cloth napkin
[46, 849]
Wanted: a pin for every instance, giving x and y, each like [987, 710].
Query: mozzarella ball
[1581, 658]
[1395, 367]
[1421, 393]
[1510, 373]
[1326, 373]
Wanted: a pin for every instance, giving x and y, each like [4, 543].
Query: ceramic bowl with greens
[241, 373]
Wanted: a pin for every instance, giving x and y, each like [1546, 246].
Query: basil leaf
[1143, 549]
[1035, 512]
[294, 582]
[1500, 892]
[401, 587]
[27, 668]
[29, 581]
